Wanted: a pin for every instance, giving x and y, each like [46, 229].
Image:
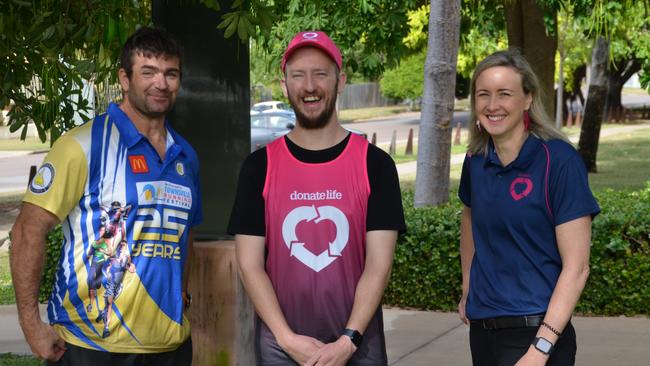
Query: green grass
[28, 144]
[350, 115]
[6, 288]
[635, 91]
[10, 359]
[10, 197]
[622, 161]
[401, 156]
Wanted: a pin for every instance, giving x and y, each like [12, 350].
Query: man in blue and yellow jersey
[125, 188]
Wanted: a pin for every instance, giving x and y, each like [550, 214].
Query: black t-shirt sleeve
[385, 211]
[247, 215]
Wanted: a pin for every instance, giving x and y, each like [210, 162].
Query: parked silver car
[269, 125]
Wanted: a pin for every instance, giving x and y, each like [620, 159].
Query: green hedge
[52, 256]
[619, 281]
[426, 272]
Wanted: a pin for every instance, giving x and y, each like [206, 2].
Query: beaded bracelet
[545, 324]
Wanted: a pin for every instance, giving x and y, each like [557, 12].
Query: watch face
[543, 345]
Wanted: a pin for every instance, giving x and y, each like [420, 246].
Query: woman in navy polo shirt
[526, 224]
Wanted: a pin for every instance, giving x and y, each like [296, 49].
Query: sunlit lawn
[622, 161]
[30, 143]
[6, 288]
[9, 359]
[349, 115]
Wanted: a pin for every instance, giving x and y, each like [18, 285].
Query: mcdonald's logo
[138, 164]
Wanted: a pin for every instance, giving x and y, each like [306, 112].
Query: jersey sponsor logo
[520, 188]
[165, 193]
[138, 164]
[43, 179]
[161, 219]
[311, 213]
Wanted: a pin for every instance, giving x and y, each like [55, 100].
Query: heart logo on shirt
[309, 213]
[520, 188]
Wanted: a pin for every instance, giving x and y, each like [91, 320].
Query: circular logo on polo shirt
[309, 35]
[180, 168]
[149, 193]
[521, 187]
[43, 179]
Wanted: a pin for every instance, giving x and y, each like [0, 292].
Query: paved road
[14, 169]
[401, 124]
[14, 166]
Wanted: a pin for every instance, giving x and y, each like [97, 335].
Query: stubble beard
[321, 120]
[139, 102]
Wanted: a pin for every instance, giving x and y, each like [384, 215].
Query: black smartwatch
[354, 335]
[543, 345]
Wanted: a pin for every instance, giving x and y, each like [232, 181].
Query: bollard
[393, 142]
[32, 173]
[373, 139]
[457, 135]
[409, 143]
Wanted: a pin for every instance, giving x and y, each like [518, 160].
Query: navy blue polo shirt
[515, 210]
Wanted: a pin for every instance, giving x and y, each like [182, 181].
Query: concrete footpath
[427, 338]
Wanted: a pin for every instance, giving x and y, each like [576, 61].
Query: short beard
[319, 121]
[141, 105]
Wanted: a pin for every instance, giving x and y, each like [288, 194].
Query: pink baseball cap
[316, 39]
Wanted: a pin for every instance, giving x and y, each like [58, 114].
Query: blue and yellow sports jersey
[114, 194]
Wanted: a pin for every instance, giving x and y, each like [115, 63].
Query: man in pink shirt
[315, 220]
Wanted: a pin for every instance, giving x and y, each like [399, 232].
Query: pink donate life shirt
[315, 236]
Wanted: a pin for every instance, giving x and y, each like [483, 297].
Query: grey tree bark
[596, 96]
[434, 142]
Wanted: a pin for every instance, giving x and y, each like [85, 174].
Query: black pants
[79, 356]
[504, 347]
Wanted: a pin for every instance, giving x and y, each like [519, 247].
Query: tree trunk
[434, 142]
[559, 102]
[616, 78]
[590, 131]
[578, 74]
[527, 32]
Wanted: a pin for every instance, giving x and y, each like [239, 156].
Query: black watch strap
[354, 335]
[543, 345]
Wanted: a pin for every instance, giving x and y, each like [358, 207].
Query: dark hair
[149, 42]
[541, 124]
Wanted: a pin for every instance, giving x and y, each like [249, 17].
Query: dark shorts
[95, 275]
[504, 347]
[79, 356]
[114, 284]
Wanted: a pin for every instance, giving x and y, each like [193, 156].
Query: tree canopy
[48, 48]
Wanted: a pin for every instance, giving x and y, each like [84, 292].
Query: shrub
[427, 275]
[52, 257]
[620, 256]
[426, 270]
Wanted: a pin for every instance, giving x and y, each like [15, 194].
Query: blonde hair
[541, 124]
